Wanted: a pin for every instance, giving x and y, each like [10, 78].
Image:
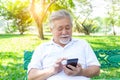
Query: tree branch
[52, 1]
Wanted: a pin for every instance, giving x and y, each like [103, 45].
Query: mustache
[65, 36]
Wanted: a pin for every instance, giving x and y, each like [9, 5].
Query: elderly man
[47, 60]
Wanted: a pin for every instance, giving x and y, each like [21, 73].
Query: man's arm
[36, 74]
[90, 71]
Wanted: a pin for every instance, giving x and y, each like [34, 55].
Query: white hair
[59, 15]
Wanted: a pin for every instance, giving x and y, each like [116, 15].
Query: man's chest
[51, 55]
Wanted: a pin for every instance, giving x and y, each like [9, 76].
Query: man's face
[62, 31]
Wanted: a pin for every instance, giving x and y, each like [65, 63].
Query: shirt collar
[70, 43]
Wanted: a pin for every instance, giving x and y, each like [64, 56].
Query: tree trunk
[40, 30]
[39, 17]
[114, 33]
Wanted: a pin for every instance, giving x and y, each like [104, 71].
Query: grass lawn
[12, 47]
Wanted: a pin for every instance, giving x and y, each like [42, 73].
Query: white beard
[64, 40]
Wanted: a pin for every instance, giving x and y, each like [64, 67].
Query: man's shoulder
[79, 40]
[46, 43]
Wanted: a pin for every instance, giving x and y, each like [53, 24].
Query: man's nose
[64, 31]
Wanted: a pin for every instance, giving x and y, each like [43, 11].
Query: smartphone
[72, 62]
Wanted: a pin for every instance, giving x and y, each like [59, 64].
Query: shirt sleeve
[91, 58]
[36, 59]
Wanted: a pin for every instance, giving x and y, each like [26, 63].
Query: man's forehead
[61, 25]
[60, 22]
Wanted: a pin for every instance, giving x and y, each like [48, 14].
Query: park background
[24, 26]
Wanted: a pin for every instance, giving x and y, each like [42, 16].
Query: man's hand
[73, 71]
[37, 74]
[90, 71]
[58, 66]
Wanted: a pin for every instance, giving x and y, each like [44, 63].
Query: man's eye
[59, 29]
[67, 28]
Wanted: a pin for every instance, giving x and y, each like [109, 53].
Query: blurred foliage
[17, 12]
[113, 10]
[12, 47]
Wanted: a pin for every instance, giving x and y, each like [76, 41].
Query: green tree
[106, 22]
[103, 24]
[90, 26]
[83, 21]
[113, 13]
[46, 7]
[118, 21]
[18, 12]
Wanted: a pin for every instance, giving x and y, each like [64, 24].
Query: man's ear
[50, 29]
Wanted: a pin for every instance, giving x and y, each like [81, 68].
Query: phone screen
[72, 62]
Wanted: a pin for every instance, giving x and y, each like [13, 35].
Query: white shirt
[46, 54]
